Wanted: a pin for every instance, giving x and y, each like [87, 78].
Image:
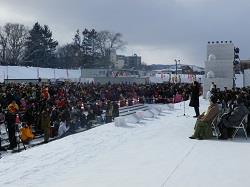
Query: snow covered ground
[154, 153]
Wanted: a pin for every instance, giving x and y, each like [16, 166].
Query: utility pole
[236, 63]
[7, 67]
[176, 69]
[176, 66]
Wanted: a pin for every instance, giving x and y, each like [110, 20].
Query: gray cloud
[159, 30]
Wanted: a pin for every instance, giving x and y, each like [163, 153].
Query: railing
[124, 111]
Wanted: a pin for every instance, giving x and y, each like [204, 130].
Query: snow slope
[154, 153]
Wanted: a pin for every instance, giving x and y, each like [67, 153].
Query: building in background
[113, 56]
[120, 61]
[128, 62]
[133, 61]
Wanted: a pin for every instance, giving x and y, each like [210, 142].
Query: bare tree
[3, 45]
[12, 42]
[108, 40]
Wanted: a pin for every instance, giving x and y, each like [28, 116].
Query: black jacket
[195, 91]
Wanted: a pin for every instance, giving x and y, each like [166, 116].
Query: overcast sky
[158, 30]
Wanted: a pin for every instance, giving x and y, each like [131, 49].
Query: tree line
[21, 46]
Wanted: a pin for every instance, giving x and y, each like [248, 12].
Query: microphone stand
[184, 110]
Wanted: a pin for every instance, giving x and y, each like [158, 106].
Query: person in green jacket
[45, 123]
[109, 112]
[203, 128]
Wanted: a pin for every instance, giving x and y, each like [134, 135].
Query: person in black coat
[115, 109]
[91, 117]
[2, 120]
[11, 123]
[194, 101]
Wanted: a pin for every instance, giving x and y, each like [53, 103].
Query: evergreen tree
[89, 46]
[49, 47]
[76, 48]
[40, 47]
[67, 57]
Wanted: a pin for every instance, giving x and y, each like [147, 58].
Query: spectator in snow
[109, 112]
[213, 87]
[45, 123]
[178, 97]
[209, 94]
[115, 109]
[11, 123]
[83, 119]
[2, 119]
[194, 101]
[62, 129]
[232, 118]
[91, 118]
[26, 133]
[203, 129]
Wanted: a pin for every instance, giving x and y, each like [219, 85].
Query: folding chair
[242, 126]
[215, 129]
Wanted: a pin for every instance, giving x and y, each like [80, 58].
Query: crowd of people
[229, 106]
[58, 109]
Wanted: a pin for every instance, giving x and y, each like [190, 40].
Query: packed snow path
[154, 153]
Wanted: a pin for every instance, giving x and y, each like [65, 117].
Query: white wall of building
[119, 64]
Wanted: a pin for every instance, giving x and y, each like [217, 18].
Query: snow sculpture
[211, 57]
[210, 74]
[120, 122]
[219, 65]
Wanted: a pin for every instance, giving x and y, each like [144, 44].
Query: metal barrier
[124, 111]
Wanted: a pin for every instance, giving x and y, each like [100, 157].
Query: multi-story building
[120, 61]
[113, 56]
[133, 61]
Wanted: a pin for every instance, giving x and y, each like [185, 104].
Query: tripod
[184, 110]
[18, 138]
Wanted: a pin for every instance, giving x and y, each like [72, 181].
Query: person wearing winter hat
[11, 123]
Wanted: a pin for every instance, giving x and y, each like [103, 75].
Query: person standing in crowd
[213, 87]
[203, 129]
[62, 130]
[2, 120]
[109, 112]
[26, 134]
[91, 118]
[45, 123]
[115, 109]
[11, 123]
[83, 119]
[194, 101]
